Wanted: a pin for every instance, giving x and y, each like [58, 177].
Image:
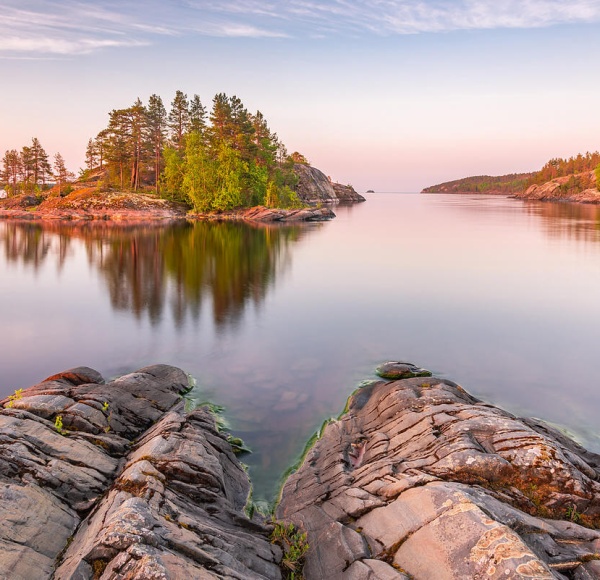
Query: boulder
[430, 482]
[315, 187]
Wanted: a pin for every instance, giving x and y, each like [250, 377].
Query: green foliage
[18, 394]
[105, 407]
[295, 546]
[172, 175]
[222, 161]
[237, 444]
[58, 425]
[597, 173]
[572, 513]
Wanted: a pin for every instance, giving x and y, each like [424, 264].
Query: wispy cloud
[62, 27]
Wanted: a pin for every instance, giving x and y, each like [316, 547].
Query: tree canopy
[214, 161]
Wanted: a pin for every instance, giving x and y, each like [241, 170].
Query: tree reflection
[577, 221]
[147, 268]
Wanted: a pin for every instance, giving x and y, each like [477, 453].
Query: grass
[18, 394]
[294, 545]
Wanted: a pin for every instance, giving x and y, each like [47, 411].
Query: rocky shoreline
[87, 203]
[416, 479]
[253, 214]
[579, 188]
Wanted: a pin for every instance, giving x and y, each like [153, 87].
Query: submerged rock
[421, 480]
[124, 485]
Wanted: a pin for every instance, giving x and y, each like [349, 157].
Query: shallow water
[280, 324]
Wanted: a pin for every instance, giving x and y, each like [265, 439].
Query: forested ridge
[520, 182]
[483, 184]
[213, 161]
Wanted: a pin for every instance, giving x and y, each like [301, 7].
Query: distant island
[574, 179]
[150, 163]
[500, 185]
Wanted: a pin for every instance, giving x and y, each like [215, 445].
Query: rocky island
[416, 479]
[86, 202]
[147, 165]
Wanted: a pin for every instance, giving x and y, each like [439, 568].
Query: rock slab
[421, 480]
[124, 485]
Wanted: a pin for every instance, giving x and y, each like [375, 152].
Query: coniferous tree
[118, 143]
[39, 163]
[12, 168]
[91, 153]
[137, 119]
[179, 118]
[100, 144]
[197, 116]
[156, 116]
[61, 173]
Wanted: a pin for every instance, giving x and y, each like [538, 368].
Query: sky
[390, 95]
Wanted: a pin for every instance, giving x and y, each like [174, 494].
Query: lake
[279, 324]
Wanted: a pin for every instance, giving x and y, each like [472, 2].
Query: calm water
[279, 324]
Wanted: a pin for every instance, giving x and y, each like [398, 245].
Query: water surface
[280, 324]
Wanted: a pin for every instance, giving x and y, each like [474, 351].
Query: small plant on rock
[18, 394]
[572, 513]
[294, 545]
[58, 425]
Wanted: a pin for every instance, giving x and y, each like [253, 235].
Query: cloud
[412, 16]
[61, 27]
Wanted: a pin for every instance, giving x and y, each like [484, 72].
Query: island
[415, 479]
[576, 179]
[147, 164]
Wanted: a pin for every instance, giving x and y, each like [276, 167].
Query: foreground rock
[116, 481]
[315, 187]
[574, 188]
[421, 480]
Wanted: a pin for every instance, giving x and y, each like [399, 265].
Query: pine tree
[179, 119]
[39, 164]
[137, 119]
[156, 115]
[26, 169]
[61, 173]
[100, 143]
[118, 143]
[220, 120]
[12, 168]
[90, 154]
[197, 116]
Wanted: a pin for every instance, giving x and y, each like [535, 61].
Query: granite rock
[429, 481]
[131, 486]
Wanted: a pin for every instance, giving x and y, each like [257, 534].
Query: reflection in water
[468, 286]
[146, 267]
[576, 221]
